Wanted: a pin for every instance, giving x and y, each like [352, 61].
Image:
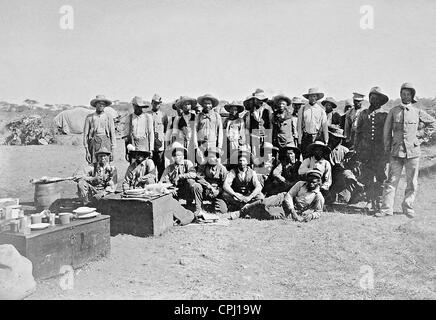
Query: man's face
[179, 157]
[290, 155]
[357, 104]
[257, 103]
[207, 105]
[313, 98]
[155, 105]
[242, 163]
[137, 109]
[374, 101]
[281, 106]
[334, 141]
[103, 158]
[406, 96]
[99, 107]
[233, 111]
[212, 158]
[347, 107]
[328, 107]
[317, 153]
[186, 107]
[296, 107]
[313, 182]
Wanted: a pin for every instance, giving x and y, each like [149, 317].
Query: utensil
[36, 218]
[39, 226]
[65, 217]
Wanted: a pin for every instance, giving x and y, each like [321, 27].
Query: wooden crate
[139, 217]
[74, 245]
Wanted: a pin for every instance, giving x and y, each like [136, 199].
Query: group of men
[265, 158]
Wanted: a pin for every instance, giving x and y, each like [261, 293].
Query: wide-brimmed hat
[215, 150]
[336, 131]
[318, 144]
[269, 145]
[242, 153]
[408, 85]
[314, 91]
[103, 150]
[279, 97]
[258, 94]
[297, 100]
[156, 98]
[291, 146]
[331, 100]
[184, 99]
[141, 147]
[100, 98]
[237, 104]
[139, 102]
[210, 97]
[358, 96]
[378, 91]
[178, 146]
[314, 172]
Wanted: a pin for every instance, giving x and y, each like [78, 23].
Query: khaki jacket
[405, 129]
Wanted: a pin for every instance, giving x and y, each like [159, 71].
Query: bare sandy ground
[248, 259]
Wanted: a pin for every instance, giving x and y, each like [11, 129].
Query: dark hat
[331, 100]
[291, 146]
[318, 144]
[258, 94]
[242, 153]
[378, 91]
[237, 104]
[184, 99]
[100, 98]
[208, 96]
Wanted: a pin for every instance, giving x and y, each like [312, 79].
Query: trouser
[227, 202]
[88, 193]
[396, 165]
[159, 162]
[98, 142]
[306, 140]
[373, 174]
[217, 202]
[190, 190]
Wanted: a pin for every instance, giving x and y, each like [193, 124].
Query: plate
[84, 210]
[89, 215]
[134, 191]
[39, 226]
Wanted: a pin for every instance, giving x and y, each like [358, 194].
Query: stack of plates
[39, 226]
[84, 210]
[134, 192]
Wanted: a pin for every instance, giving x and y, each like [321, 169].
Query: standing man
[351, 119]
[234, 131]
[139, 130]
[348, 105]
[312, 121]
[160, 125]
[296, 105]
[368, 144]
[406, 127]
[332, 117]
[99, 130]
[208, 127]
[282, 134]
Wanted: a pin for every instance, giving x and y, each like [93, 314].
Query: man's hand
[88, 156]
[238, 197]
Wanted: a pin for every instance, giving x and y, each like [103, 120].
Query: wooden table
[74, 244]
[139, 217]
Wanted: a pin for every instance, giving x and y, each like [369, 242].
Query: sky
[224, 47]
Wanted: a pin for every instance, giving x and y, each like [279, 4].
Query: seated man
[318, 153]
[264, 165]
[96, 180]
[211, 176]
[181, 173]
[285, 174]
[140, 172]
[344, 182]
[303, 202]
[241, 186]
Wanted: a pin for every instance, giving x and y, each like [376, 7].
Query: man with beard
[369, 147]
[318, 153]
[285, 174]
[141, 172]
[351, 119]
[96, 180]
[160, 124]
[312, 121]
[99, 130]
[211, 177]
[406, 127]
[208, 127]
[241, 186]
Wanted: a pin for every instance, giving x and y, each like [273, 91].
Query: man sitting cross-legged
[241, 186]
[96, 180]
[303, 202]
[140, 172]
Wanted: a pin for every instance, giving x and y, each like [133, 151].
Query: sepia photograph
[217, 154]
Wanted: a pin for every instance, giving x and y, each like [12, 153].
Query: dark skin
[406, 96]
[280, 106]
[328, 107]
[318, 153]
[357, 104]
[137, 109]
[374, 101]
[313, 182]
[207, 105]
[296, 108]
[155, 105]
[334, 141]
[313, 98]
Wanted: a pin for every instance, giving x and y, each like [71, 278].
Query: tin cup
[65, 218]
[15, 226]
[36, 218]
